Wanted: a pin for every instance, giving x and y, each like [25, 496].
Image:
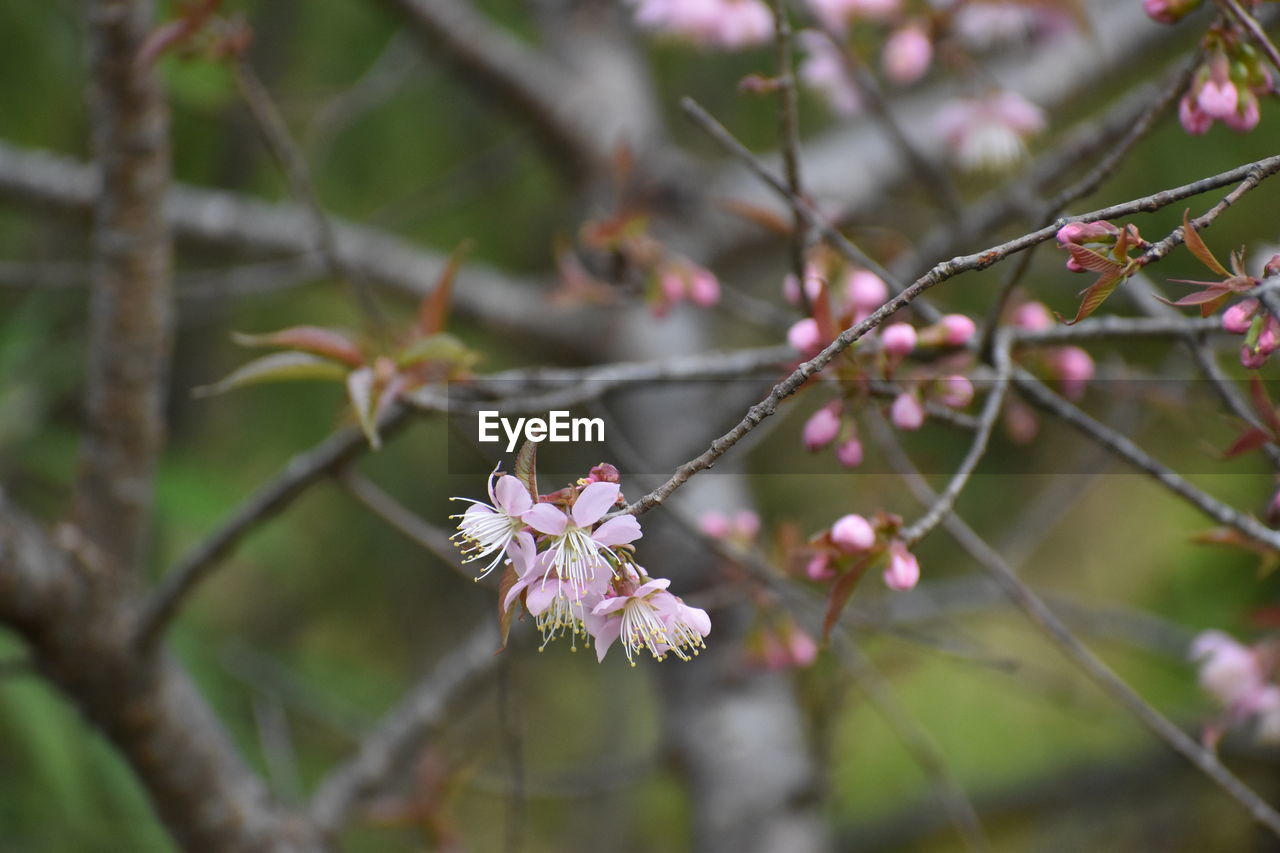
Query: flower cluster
[1229, 81]
[854, 543]
[873, 367]
[989, 133]
[1260, 329]
[1241, 679]
[574, 569]
[1071, 366]
[724, 24]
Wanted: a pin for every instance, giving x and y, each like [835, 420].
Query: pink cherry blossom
[853, 533]
[1239, 317]
[1218, 99]
[903, 572]
[715, 524]
[1074, 368]
[1033, 316]
[865, 291]
[486, 529]
[746, 523]
[577, 550]
[907, 54]
[819, 568]
[837, 14]
[958, 329]
[704, 287]
[823, 71]
[813, 284]
[957, 391]
[990, 132]
[1229, 670]
[907, 413]
[1193, 119]
[728, 24]
[805, 336]
[649, 618]
[822, 428]
[849, 453]
[1246, 116]
[898, 339]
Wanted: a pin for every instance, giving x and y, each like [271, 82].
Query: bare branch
[131, 310]
[394, 740]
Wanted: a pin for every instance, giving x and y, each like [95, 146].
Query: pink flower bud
[1033, 316]
[1228, 669]
[1020, 423]
[746, 523]
[1074, 266]
[1239, 317]
[865, 291]
[1218, 99]
[957, 391]
[804, 650]
[959, 329]
[1074, 368]
[1269, 340]
[1272, 267]
[1169, 11]
[1251, 358]
[672, 284]
[812, 285]
[898, 339]
[903, 572]
[819, 567]
[907, 54]
[714, 524]
[1246, 116]
[853, 533]
[805, 337]
[849, 453]
[1195, 121]
[1070, 233]
[822, 428]
[906, 413]
[604, 473]
[704, 288]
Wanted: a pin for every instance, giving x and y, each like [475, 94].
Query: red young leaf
[1091, 260]
[434, 308]
[1097, 293]
[509, 578]
[822, 314]
[1251, 439]
[1192, 238]
[1262, 404]
[1200, 297]
[312, 339]
[1208, 309]
[526, 467]
[277, 367]
[360, 389]
[841, 591]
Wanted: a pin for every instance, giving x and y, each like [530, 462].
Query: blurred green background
[324, 616]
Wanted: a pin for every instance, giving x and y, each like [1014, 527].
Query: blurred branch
[529, 83]
[275, 133]
[397, 738]
[297, 476]
[1044, 618]
[130, 316]
[1249, 174]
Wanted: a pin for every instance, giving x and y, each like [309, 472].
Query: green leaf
[1097, 294]
[526, 467]
[442, 348]
[1192, 238]
[312, 339]
[360, 389]
[277, 367]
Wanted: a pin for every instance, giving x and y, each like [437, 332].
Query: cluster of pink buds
[1072, 367]
[574, 569]
[989, 133]
[1099, 237]
[1261, 330]
[1227, 85]
[741, 528]
[1170, 11]
[1241, 679]
[681, 280]
[724, 24]
[854, 544]
[779, 643]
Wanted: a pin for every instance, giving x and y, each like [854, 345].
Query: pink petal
[652, 586]
[594, 502]
[523, 553]
[696, 618]
[605, 633]
[513, 593]
[546, 518]
[512, 496]
[541, 594]
[618, 531]
[610, 605]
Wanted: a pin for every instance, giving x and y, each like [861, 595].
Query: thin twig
[1249, 175]
[789, 131]
[1255, 30]
[1079, 654]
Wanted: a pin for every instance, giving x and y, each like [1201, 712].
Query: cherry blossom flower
[823, 71]
[577, 549]
[907, 54]
[648, 618]
[990, 133]
[837, 14]
[486, 529]
[982, 26]
[853, 533]
[1229, 670]
[728, 24]
[557, 608]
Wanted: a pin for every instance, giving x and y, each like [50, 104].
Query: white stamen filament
[642, 628]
